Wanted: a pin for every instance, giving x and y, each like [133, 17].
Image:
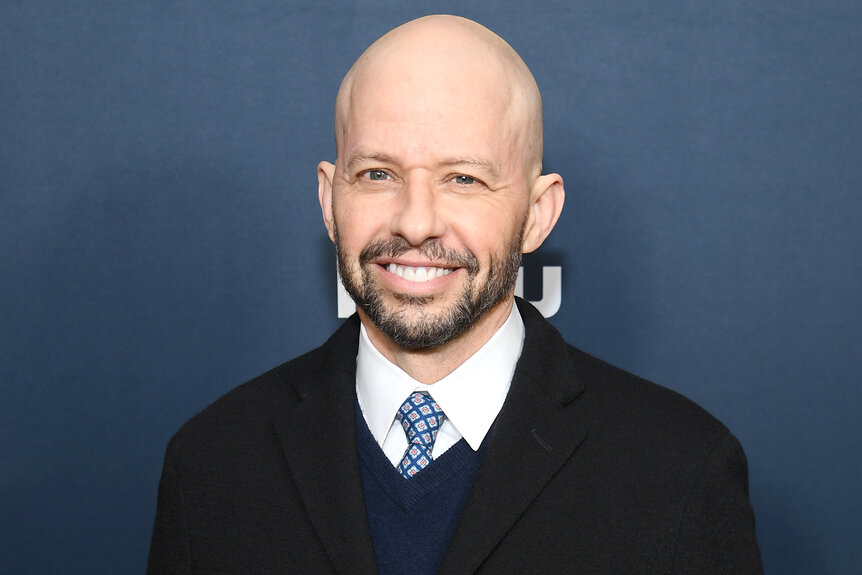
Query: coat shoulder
[610, 399]
[258, 402]
[628, 397]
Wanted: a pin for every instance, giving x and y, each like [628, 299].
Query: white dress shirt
[471, 396]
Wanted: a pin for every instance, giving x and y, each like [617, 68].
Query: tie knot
[421, 418]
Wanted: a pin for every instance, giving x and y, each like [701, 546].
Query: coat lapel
[319, 441]
[535, 434]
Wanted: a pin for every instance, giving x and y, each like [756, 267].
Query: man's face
[429, 201]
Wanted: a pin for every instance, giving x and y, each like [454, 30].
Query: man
[444, 428]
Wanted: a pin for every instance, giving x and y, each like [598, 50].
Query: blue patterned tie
[421, 418]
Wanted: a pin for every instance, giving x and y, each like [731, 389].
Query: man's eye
[464, 180]
[377, 175]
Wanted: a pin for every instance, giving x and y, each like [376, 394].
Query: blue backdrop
[160, 239]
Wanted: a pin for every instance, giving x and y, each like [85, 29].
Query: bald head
[437, 189]
[438, 62]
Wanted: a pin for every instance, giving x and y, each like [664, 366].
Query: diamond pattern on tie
[421, 418]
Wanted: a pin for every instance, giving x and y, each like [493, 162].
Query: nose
[417, 217]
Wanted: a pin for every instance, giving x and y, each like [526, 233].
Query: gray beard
[431, 331]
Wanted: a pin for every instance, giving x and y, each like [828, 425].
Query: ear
[325, 174]
[546, 203]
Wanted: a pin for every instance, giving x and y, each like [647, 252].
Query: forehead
[452, 108]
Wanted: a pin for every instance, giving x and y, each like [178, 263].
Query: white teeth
[418, 275]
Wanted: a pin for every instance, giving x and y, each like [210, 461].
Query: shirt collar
[471, 396]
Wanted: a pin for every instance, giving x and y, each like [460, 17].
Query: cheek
[488, 230]
[357, 222]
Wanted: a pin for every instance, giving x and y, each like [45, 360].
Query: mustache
[432, 249]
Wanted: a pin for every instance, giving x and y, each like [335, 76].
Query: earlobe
[325, 175]
[546, 204]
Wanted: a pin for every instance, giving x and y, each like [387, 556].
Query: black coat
[589, 470]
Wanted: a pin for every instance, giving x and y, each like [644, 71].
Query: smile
[420, 274]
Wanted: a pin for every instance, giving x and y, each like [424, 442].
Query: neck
[431, 365]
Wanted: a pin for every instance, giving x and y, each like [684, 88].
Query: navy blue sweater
[412, 520]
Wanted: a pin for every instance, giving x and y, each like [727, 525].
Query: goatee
[428, 330]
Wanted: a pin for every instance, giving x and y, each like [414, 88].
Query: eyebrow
[475, 162]
[365, 158]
